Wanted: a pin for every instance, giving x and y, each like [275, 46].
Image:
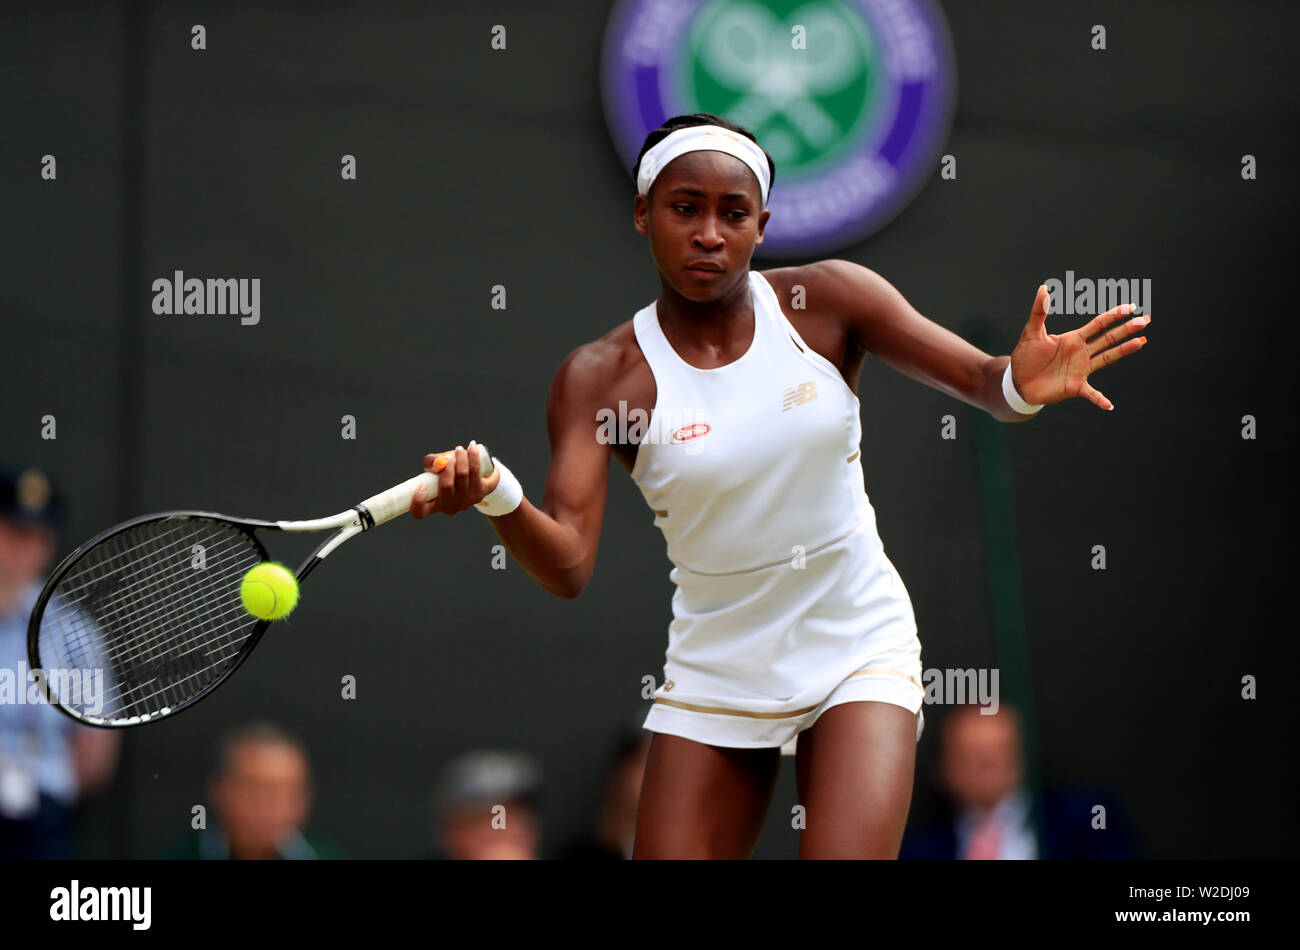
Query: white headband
[712, 138]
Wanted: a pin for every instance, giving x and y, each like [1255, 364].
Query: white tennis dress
[785, 602]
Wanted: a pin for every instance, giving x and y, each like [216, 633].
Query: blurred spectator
[615, 829]
[260, 795]
[48, 762]
[486, 804]
[988, 813]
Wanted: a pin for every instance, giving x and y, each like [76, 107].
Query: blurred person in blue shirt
[261, 795]
[988, 813]
[47, 761]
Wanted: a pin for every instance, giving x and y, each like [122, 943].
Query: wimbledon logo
[851, 98]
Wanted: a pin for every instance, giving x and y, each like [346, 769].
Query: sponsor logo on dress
[686, 433]
[798, 395]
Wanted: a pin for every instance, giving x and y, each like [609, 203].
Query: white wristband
[1013, 398]
[506, 497]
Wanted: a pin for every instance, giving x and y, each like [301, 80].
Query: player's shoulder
[594, 368]
[826, 287]
[821, 281]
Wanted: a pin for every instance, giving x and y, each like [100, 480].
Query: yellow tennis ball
[269, 591]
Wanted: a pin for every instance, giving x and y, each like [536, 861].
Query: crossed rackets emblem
[748, 50]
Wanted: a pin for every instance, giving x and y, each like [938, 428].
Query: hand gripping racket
[149, 614]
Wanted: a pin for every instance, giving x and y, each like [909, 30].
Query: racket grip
[387, 505]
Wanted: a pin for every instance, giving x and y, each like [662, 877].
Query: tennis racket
[146, 619]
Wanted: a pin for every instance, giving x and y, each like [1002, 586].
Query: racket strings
[156, 609]
[115, 608]
[170, 602]
[159, 612]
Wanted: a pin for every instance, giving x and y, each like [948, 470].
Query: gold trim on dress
[853, 456]
[720, 711]
[881, 669]
[691, 707]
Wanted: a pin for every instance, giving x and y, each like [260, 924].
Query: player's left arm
[1045, 368]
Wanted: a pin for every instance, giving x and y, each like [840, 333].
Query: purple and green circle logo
[851, 98]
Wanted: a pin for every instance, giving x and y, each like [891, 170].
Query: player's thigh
[703, 801]
[854, 767]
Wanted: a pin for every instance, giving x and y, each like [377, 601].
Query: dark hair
[255, 733]
[698, 118]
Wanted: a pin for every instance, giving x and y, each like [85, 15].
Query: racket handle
[387, 505]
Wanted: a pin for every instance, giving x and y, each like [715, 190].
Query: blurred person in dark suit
[261, 795]
[988, 813]
[486, 807]
[615, 830]
[48, 762]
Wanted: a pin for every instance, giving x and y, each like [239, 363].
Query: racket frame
[374, 511]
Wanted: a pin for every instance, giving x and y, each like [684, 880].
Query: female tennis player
[739, 391]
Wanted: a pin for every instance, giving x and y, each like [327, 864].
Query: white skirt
[754, 658]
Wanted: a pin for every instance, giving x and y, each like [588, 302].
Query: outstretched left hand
[1048, 368]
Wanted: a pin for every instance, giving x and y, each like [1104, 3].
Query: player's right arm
[556, 543]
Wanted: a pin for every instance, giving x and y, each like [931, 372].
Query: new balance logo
[798, 395]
